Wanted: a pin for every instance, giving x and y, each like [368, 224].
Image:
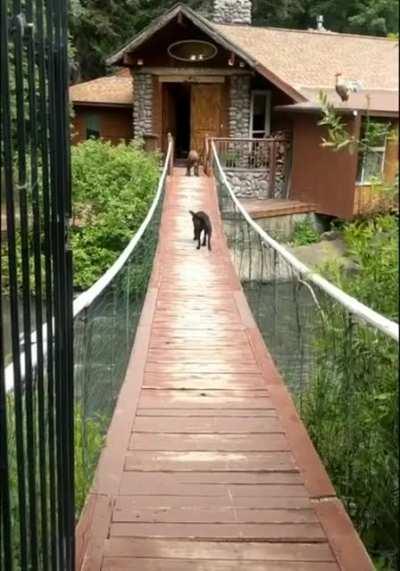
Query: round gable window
[192, 50]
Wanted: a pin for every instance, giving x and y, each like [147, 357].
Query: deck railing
[270, 156]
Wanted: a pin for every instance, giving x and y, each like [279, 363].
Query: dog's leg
[199, 240]
[196, 169]
[204, 238]
[209, 241]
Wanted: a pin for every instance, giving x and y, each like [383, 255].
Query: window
[260, 114]
[371, 161]
[92, 126]
[192, 50]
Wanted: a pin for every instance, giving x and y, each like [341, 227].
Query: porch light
[192, 50]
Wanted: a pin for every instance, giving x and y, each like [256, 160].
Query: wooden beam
[164, 71]
[191, 78]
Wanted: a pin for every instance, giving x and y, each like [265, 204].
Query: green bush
[350, 406]
[373, 246]
[89, 436]
[304, 233]
[112, 189]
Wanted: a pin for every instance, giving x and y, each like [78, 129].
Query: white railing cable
[353, 306]
[86, 298]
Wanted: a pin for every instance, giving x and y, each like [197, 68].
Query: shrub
[305, 233]
[112, 189]
[350, 405]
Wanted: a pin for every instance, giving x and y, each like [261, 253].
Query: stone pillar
[239, 108]
[232, 12]
[142, 104]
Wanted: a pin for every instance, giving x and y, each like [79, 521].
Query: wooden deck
[207, 466]
[271, 207]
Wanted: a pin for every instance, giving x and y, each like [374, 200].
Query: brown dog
[193, 161]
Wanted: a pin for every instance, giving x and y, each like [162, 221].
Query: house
[222, 77]
[103, 108]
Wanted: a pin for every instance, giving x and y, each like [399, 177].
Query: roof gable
[212, 32]
[299, 62]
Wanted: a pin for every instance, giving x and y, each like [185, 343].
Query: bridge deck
[207, 466]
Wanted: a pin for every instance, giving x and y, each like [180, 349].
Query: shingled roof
[301, 62]
[308, 61]
[111, 90]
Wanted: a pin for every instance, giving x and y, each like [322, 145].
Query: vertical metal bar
[47, 251]
[5, 507]
[64, 290]
[23, 182]
[58, 366]
[12, 269]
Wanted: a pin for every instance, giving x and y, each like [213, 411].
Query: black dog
[201, 222]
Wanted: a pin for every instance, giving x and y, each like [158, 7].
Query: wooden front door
[207, 113]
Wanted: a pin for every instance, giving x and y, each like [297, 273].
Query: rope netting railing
[105, 320]
[339, 359]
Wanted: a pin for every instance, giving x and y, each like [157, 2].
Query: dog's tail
[192, 213]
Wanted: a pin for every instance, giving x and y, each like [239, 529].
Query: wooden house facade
[221, 77]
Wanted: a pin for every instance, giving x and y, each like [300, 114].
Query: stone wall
[143, 104]
[248, 184]
[255, 183]
[239, 108]
[232, 12]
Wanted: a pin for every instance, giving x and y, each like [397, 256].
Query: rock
[330, 235]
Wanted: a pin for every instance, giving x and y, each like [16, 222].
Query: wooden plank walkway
[207, 466]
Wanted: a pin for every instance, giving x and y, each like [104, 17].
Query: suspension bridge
[201, 369]
[207, 464]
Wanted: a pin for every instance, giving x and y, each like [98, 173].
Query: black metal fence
[36, 389]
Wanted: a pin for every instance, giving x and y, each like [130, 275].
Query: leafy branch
[339, 137]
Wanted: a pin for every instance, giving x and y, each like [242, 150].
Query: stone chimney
[232, 12]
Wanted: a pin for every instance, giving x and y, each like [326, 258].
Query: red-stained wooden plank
[202, 399]
[128, 513]
[160, 502]
[207, 442]
[141, 564]
[227, 484]
[215, 381]
[294, 533]
[208, 425]
[205, 411]
[209, 550]
[213, 461]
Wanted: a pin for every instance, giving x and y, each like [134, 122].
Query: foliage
[350, 408]
[89, 440]
[354, 388]
[373, 17]
[339, 137]
[304, 233]
[112, 188]
[373, 246]
[99, 28]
